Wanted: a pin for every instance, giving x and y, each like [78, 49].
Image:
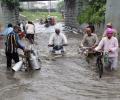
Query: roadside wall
[8, 16]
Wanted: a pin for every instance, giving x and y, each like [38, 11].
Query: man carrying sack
[12, 44]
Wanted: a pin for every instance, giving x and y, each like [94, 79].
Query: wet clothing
[11, 56]
[7, 31]
[112, 61]
[30, 36]
[58, 39]
[110, 44]
[12, 44]
[107, 44]
[30, 29]
[55, 48]
[89, 41]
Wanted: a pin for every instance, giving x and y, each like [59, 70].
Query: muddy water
[65, 78]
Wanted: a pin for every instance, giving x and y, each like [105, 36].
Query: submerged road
[64, 78]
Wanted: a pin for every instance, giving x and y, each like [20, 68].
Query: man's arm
[26, 26]
[51, 40]
[100, 45]
[83, 41]
[19, 43]
[96, 41]
[64, 39]
[34, 28]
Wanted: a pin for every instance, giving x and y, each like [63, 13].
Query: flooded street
[64, 78]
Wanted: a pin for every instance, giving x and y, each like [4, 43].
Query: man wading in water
[12, 44]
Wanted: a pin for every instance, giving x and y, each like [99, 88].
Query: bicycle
[99, 63]
[26, 60]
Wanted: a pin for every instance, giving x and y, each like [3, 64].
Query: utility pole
[28, 4]
[16, 13]
[49, 7]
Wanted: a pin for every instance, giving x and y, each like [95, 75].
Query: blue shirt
[7, 31]
[18, 40]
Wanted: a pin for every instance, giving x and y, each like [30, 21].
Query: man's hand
[94, 50]
[94, 46]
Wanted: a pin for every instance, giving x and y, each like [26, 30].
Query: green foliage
[38, 15]
[11, 4]
[94, 13]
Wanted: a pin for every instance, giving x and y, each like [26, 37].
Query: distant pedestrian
[30, 29]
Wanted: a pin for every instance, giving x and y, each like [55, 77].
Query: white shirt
[30, 28]
[109, 44]
[58, 39]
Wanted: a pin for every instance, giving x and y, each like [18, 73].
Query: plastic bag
[17, 66]
[34, 62]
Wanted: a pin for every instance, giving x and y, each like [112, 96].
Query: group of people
[108, 43]
[13, 36]
[50, 21]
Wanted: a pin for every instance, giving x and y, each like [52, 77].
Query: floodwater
[64, 78]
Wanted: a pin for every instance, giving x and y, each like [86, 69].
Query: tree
[94, 13]
[12, 8]
[11, 4]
